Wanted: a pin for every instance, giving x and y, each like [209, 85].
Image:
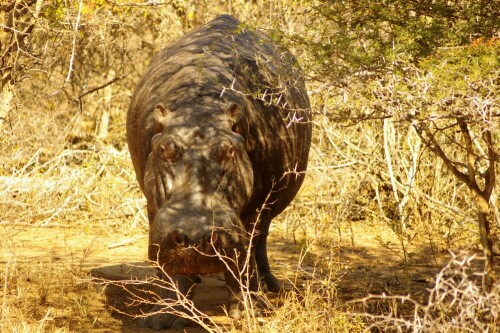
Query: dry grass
[458, 302]
[47, 297]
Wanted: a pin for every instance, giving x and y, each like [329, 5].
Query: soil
[363, 268]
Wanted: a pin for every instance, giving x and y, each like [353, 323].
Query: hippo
[219, 131]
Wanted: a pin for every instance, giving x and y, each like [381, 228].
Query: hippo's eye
[223, 152]
[169, 151]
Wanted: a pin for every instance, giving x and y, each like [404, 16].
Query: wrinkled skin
[219, 134]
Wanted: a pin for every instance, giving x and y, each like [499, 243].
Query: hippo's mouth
[211, 252]
[187, 260]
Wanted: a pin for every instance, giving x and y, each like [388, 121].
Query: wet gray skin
[219, 134]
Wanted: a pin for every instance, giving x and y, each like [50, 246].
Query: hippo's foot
[163, 321]
[270, 283]
[238, 311]
[170, 289]
[254, 306]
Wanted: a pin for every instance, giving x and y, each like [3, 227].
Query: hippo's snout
[180, 253]
[193, 241]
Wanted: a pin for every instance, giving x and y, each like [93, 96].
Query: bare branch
[13, 30]
[149, 3]
[470, 156]
[90, 91]
[433, 145]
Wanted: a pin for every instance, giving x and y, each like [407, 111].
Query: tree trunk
[483, 208]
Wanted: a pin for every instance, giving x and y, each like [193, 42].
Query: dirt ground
[364, 268]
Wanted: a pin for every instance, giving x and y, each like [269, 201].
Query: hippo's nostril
[208, 242]
[178, 238]
[214, 237]
[205, 240]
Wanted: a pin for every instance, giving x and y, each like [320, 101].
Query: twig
[23, 224]
[100, 87]
[80, 102]
[149, 3]
[126, 241]
[13, 30]
[73, 50]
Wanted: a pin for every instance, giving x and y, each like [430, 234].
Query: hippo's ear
[234, 113]
[160, 118]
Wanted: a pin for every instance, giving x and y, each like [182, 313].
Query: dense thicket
[430, 68]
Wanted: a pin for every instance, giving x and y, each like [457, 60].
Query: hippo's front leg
[266, 277]
[172, 289]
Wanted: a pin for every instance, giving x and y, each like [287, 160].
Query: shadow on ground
[127, 296]
[359, 270]
[366, 269]
[370, 268]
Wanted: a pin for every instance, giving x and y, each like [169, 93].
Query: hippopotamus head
[198, 179]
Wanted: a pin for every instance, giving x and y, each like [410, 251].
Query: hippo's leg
[160, 321]
[265, 273]
[151, 215]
